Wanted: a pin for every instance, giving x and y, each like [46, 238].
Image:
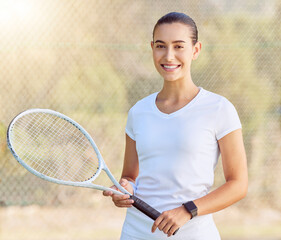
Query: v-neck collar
[175, 113]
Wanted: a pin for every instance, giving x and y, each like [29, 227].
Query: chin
[170, 78]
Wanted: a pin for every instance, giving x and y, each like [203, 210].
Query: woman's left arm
[234, 189]
[234, 164]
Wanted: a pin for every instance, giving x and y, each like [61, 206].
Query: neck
[180, 89]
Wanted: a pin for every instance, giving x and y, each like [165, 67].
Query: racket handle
[146, 209]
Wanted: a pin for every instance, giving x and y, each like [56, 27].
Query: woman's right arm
[129, 173]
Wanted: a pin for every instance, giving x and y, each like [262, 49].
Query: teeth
[170, 67]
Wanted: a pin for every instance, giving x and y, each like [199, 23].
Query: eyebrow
[177, 41]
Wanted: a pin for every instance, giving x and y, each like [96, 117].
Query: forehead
[169, 32]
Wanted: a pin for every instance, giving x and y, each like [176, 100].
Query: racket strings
[53, 154]
[32, 137]
[54, 147]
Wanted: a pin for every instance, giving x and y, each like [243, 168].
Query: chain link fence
[91, 60]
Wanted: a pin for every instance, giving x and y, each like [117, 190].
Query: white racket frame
[88, 183]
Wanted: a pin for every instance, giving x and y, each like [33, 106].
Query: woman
[173, 141]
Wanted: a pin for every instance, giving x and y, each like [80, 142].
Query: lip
[170, 67]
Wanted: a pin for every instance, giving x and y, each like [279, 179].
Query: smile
[170, 67]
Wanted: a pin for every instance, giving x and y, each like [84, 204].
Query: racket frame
[88, 183]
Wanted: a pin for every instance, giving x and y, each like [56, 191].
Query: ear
[152, 44]
[196, 50]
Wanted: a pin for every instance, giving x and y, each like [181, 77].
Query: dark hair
[176, 17]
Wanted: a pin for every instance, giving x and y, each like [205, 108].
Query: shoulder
[216, 100]
[144, 104]
[211, 96]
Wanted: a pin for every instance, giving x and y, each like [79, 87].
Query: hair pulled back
[176, 17]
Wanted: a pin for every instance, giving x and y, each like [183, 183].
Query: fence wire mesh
[91, 60]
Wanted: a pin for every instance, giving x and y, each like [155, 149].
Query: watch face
[191, 207]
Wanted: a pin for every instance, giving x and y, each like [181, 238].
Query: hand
[170, 221]
[121, 200]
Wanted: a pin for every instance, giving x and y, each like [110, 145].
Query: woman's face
[173, 51]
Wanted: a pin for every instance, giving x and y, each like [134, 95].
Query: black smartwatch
[191, 208]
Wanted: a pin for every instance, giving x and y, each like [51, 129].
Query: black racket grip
[146, 209]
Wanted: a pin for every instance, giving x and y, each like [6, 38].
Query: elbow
[239, 189]
[244, 193]
[242, 190]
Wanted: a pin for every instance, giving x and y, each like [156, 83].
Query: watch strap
[191, 208]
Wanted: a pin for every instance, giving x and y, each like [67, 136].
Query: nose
[169, 56]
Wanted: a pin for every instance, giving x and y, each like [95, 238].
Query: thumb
[124, 182]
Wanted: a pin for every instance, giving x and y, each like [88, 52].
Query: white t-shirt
[177, 156]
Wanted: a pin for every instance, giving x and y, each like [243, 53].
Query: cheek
[156, 59]
[186, 57]
[156, 56]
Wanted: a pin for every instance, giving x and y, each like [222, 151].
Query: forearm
[229, 193]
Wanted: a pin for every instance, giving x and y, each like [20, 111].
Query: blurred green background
[91, 60]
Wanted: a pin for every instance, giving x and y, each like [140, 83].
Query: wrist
[191, 208]
[187, 215]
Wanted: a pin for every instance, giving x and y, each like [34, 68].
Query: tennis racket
[57, 149]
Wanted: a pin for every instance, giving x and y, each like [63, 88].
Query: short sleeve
[227, 119]
[129, 126]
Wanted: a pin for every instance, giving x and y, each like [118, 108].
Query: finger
[107, 193]
[116, 197]
[167, 227]
[164, 220]
[156, 223]
[110, 193]
[163, 224]
[124, 204]
[122, 200]
[172, 230]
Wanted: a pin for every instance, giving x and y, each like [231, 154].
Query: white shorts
[201, 228]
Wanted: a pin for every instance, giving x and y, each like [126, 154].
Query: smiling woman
[173, 142]
[173, 51]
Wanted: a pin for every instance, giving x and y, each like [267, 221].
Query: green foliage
[228, 65]
[94, 88]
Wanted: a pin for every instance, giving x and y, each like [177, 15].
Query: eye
[178, 46]
[160, 46]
